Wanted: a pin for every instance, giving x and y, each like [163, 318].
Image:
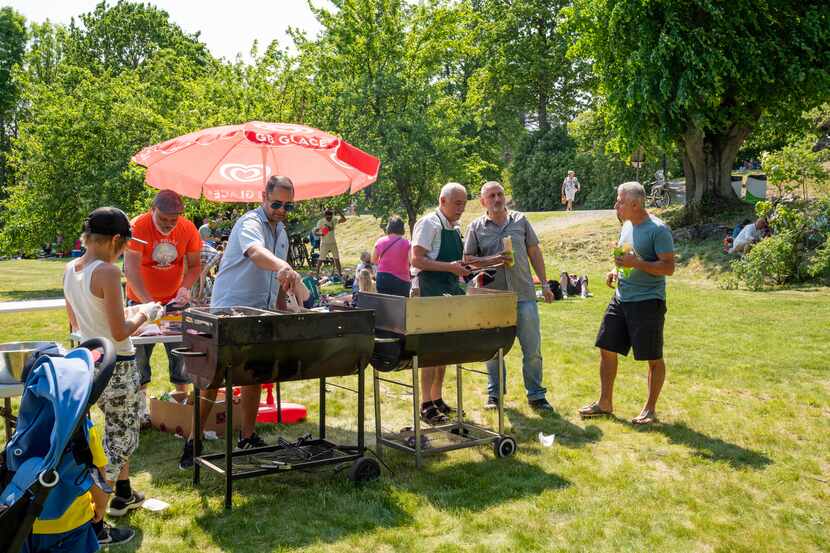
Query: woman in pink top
[391, 256]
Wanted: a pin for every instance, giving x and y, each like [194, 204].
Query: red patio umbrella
[232, 163]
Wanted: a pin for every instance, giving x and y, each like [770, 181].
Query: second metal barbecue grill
[422, 332]
[242, 345]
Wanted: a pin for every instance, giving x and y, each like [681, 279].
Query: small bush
[772, 259]
[798, 250]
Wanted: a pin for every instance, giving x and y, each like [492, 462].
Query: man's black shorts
[637, 324]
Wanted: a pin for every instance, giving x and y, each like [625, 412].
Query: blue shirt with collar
[239, 281]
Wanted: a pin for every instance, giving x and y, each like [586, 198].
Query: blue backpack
[47, 462]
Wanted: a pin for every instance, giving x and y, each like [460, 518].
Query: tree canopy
[441, 90]
[701, 74]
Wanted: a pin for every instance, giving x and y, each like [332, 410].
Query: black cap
[109, 221]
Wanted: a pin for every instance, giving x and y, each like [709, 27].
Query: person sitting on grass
[749, 236]
[574, 285]
[95, 307]
[364, 265]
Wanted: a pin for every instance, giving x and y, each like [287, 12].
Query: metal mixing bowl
[15, 355]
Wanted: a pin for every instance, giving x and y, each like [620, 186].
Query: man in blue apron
[437, 249]
[251, 273]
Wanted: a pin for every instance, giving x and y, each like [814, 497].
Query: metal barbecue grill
[422, 332]
[243, 345]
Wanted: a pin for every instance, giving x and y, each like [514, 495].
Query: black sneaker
[186, 461]
[432, 416]
[492, 403]
[119, 506]
[109, 535]
[253, 441]
[443, 407]
[541, 406]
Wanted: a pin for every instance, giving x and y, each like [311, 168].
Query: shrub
[798, 250]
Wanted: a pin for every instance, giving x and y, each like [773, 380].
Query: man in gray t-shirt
[485, 245]
[635, 316]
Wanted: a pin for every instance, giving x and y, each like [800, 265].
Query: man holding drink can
[635, 316]
[506, 240]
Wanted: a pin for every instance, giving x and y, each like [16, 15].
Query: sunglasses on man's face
[288, 206]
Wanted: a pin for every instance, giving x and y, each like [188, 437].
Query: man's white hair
[450, 188]
[633, 190]
[488, 184]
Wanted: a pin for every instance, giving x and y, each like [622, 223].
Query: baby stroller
[46, 464]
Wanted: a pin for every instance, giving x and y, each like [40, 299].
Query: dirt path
[573, 219]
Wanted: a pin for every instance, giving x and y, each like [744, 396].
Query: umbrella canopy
[233, 163]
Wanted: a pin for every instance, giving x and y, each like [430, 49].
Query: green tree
[795, 166]
[125, 35]
[701, 74]
[376, 80]
[528, 74]
[12, 46]
[72, 155]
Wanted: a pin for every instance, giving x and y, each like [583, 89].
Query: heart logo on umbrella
[240, 172]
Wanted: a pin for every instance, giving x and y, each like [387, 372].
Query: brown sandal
[593, 410]
[645, 418]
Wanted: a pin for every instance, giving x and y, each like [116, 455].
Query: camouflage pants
[121, 406]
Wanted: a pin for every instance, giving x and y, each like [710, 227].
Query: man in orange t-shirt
[162, 270]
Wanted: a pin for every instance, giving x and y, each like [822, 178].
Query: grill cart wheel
[364, 469]
[504, 446]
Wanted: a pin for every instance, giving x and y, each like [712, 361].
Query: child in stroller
[54, 493]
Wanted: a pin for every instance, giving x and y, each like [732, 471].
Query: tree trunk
[411, 213]
[544, 124]
[707, 165]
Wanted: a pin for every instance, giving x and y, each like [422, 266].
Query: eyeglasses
[288, 206]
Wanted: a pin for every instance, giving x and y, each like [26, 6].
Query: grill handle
[185, 352]
[386, 340]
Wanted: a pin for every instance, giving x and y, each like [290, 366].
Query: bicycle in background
[658, 191]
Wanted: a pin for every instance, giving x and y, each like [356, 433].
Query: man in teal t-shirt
[636, 314]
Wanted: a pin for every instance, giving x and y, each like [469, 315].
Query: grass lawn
[739, 462]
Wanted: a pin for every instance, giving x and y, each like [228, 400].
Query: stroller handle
[107, 364]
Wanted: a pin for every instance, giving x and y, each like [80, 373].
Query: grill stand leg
[279, 402]
[501, 391]
[228, 438]
[322, 408]
[459, 399]
[197, 432]
[416, 410]
[361, 391]
[378, 431]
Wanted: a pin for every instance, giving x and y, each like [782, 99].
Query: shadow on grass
[21, 295]
[567, 434]
[299, 509]
[478, 485]
[708, 253]
[711, 448]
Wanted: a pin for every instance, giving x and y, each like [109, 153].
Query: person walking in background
[391, 257]
[636, 314]
[328, 243]
[570, 186]
[485, 246]
[437, 249]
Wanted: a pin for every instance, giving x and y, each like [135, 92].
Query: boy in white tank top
[92, 287]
